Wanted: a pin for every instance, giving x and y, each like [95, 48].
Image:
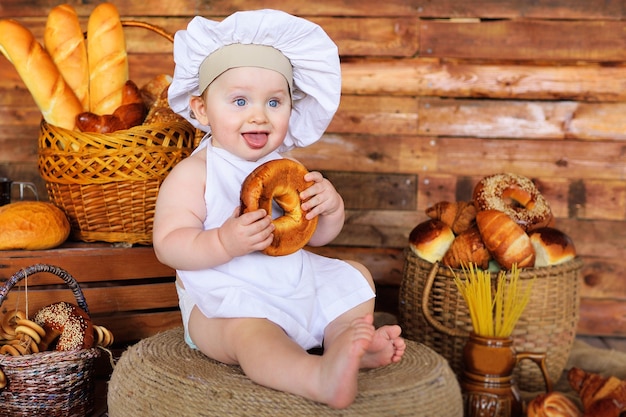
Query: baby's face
[248, 110]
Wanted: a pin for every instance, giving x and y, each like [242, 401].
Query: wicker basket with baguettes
[105, 145]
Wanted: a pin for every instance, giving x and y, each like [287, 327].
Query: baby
[259, 83]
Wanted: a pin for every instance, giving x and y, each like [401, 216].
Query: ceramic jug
[489, 388]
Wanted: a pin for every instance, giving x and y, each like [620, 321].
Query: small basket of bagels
[105, 143]
[47, 360]
[507, 222]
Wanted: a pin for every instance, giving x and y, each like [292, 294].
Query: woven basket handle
[33, 269]
[428, 286]
[153, 28]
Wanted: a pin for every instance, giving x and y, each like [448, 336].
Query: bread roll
[108, 60]
[552, 404]
[95, 123]
[131, 113]
[468, 247]
[65, 42]
[153, 89]
[32, 225]
[552, 247]
[54, 97]
[431, 239]
[161, 112]
[507, 242]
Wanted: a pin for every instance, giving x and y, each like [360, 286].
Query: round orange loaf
[32, 225]
[280, 180]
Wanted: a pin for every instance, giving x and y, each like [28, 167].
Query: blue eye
[240, 102]
[273, 103]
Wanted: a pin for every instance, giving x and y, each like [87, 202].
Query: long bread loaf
[65, 42]
[54, 97]
[108, 61]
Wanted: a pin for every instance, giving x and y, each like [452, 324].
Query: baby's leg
[269, 357]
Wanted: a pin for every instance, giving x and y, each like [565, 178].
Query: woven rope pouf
[162, 376]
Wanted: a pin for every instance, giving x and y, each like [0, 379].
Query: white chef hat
[314, 59]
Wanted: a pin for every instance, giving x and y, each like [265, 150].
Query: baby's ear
[198, 109]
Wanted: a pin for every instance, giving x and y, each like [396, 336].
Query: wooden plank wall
[436, 95]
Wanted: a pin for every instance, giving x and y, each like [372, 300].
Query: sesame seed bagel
[516, 196]
[68, 327]
[280, 180]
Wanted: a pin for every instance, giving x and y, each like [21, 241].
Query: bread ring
[29, 323]
[99, 335]
[280, 180]
[9, 350]
[29, 332]
[4, 336]
[9, 321]
[22, 349]
[107, 337]
[104, 336]
[3, 380]
[69, 322]
[516, 196]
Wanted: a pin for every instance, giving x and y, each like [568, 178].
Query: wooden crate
[127, 290]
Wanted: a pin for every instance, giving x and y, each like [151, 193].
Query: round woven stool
[162, 376]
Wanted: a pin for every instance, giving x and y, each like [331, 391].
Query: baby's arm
[323, 201]
[179, 238]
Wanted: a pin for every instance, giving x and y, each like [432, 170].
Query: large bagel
[280, 180]
[67, 327]
[516, 196]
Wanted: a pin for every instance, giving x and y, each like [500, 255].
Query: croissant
[601, 396]
[507, 242]
[552, 404]
[467, 247]
[459, 215]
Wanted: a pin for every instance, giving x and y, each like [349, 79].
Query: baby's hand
[249, 232]
[322, 197]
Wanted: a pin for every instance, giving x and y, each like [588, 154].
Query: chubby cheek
[280, 127]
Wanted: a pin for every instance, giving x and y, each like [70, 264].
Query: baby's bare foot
[387, 347]
[341, 363]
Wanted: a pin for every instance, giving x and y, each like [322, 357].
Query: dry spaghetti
[493, 314]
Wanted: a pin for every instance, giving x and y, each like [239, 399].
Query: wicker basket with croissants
[507, 222]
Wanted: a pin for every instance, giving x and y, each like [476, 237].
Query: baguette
[54, 97]
[65, 42]
[108, 60]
